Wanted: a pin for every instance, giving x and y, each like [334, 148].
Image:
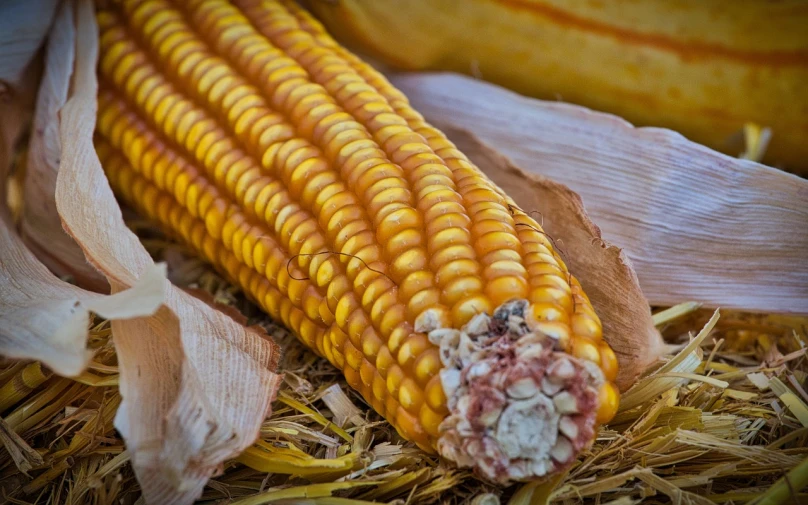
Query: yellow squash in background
[703, 68]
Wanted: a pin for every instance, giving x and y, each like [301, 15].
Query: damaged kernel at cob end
[519, 406]
[299, 172]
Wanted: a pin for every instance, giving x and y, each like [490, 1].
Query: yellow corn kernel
[608, 402]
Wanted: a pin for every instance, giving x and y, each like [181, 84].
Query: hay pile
[724, 422]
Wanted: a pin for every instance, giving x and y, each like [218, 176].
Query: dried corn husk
[42, 317]
[41, 226]
[196, 384]
[697, 225]
[23, 27]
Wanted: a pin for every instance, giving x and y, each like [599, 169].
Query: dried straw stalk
[723, 422]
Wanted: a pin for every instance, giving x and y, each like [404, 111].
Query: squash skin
[699, 68]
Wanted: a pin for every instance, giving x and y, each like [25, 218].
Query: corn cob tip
[520, 408]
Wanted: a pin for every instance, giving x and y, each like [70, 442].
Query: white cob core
[519, 408]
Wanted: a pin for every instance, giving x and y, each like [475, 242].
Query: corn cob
[306, 178]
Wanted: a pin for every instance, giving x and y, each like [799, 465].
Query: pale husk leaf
[46, 319]
[40, 223]
[697, 225]
[42, 317]
[23, 26]
[196, 384]
[604, 271]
